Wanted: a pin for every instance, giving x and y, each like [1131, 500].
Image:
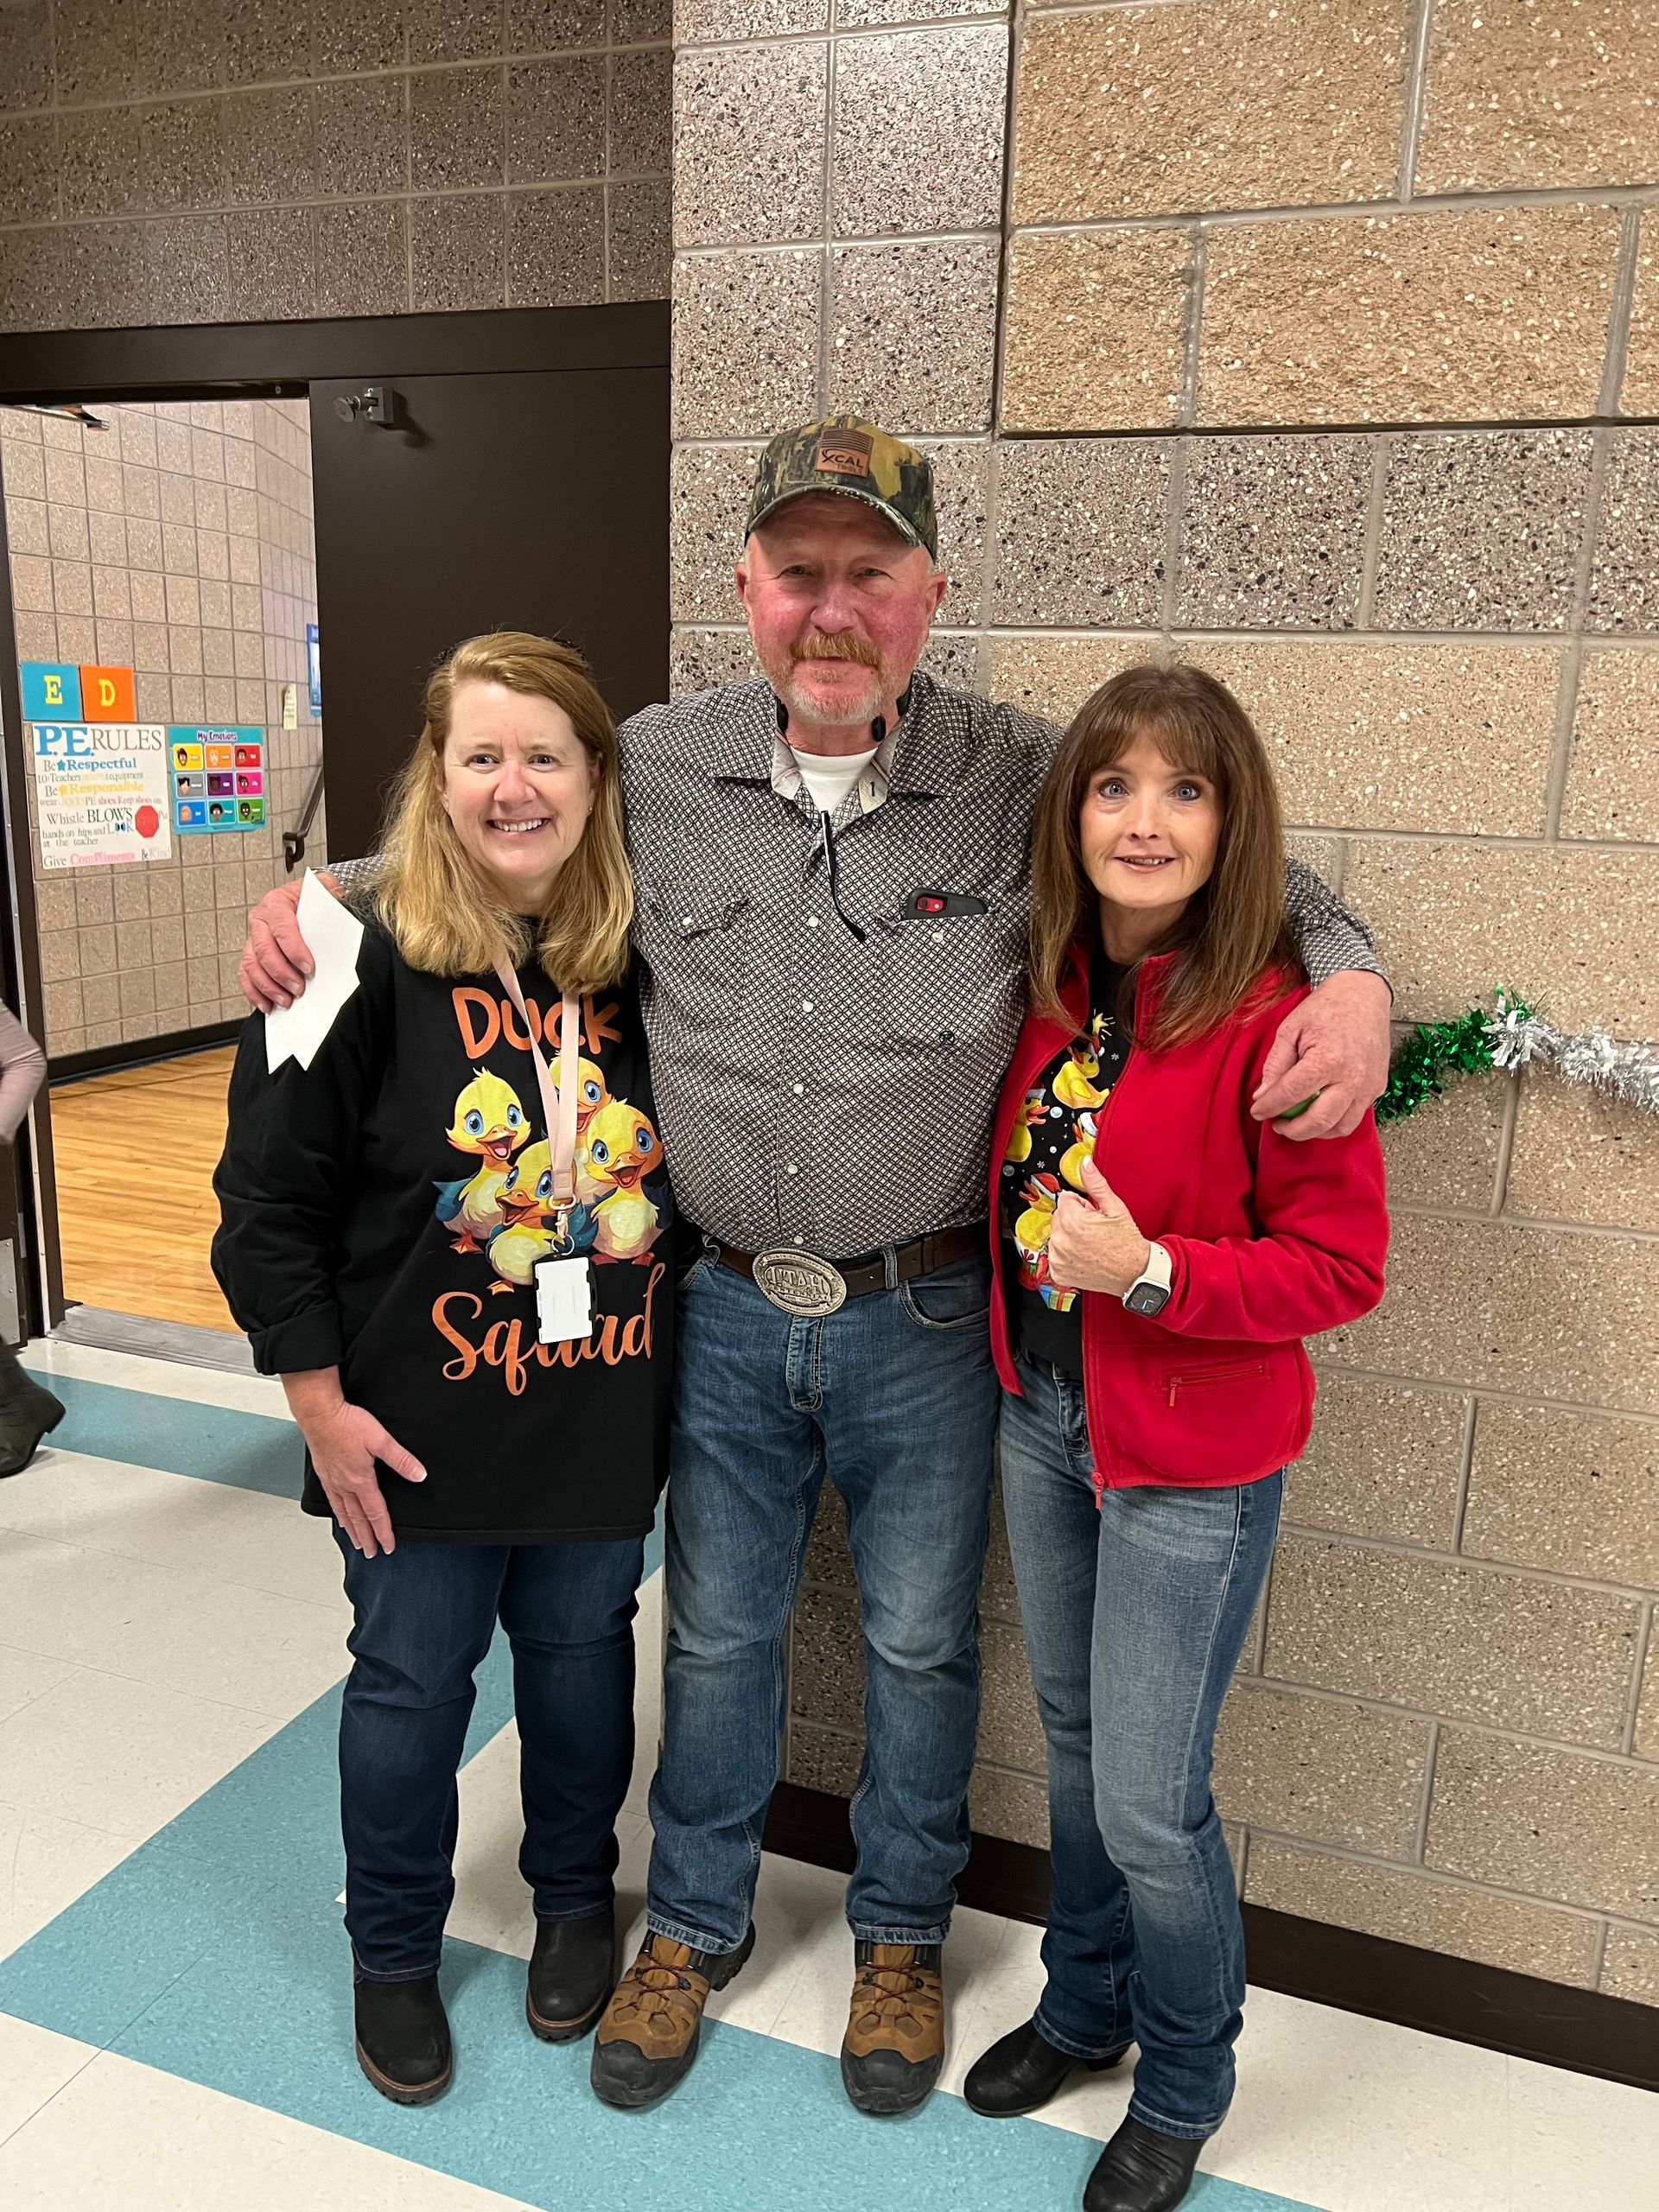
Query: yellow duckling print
[1085, 1130]
[1030, 1114]
[1031, 1228]
[490, 1122]
[1075, 1083]
[621, 1150]
[591, 1094]
[526, 1232]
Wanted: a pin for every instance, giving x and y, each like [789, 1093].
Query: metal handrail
[294, 839]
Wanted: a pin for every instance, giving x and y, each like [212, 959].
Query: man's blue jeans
[894, 1395]
[1135, 1614]
[425, 1615]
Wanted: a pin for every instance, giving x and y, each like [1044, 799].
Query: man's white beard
[806, 708]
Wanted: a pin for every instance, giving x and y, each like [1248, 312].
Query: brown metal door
[533, 501]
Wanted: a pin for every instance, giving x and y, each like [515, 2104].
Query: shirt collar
[920, 759]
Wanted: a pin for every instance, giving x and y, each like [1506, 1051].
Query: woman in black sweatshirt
[448, 1236]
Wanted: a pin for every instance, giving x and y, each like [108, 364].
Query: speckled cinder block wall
[177, 542]
[235, 160]
[1319, 343]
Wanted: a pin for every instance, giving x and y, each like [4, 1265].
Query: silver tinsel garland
[1518, 1037]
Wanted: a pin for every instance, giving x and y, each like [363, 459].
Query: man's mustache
[818, 647]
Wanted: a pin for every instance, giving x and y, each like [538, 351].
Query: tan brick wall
[267, 164]
[176, 541]
[1339, 325]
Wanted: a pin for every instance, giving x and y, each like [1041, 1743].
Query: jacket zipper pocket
[1239, 1372]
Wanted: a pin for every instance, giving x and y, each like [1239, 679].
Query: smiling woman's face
[1149, 833]
[519, 786]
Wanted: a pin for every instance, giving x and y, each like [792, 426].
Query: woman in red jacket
[1159, 1255]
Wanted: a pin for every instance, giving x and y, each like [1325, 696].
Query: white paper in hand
[333, 935]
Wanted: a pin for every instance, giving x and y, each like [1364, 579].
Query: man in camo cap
[831, 900]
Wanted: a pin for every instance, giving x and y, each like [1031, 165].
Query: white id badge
[564, 1301]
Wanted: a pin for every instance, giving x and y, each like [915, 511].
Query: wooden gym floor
[135, 1153]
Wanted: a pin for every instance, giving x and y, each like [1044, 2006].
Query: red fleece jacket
[1270, 1241]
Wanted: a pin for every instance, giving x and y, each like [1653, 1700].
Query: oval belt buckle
[799, 1283]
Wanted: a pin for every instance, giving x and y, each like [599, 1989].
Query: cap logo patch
[844, 453]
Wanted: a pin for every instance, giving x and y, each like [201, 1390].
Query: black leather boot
[402, 2039]
[27, 1414]
[572, 1973]
[1022, 2071]
[1142, 2171]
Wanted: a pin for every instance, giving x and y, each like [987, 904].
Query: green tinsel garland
[1511, 1037]
[1433, 1051]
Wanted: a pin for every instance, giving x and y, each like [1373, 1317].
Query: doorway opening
[164, 598]
[473, 472]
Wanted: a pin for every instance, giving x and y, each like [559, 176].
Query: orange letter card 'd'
[106, 696]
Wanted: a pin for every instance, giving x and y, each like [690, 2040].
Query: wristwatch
[1149, 1293]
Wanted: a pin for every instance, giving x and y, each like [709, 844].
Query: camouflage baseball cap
[856, 460]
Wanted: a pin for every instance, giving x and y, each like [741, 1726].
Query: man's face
[839, 607]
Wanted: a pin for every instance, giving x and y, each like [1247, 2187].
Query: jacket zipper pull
[1174, 1385]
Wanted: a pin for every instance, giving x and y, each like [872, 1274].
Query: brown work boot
[894, 2044]
[648, 2036]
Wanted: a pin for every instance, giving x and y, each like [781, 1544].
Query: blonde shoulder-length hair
[1235, 931]
[444, 917]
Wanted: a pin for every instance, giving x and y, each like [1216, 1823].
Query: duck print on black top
[1052, 1136]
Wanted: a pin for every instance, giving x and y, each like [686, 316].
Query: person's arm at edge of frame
[1333, 1046]
[23, 1070]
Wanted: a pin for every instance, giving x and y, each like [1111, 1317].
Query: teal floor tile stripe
[215, 1953]
[258, 1452]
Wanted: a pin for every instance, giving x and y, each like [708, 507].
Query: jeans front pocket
[954, 1297]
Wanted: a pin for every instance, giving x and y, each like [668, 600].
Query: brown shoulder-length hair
[1234, 928]
[444, 917]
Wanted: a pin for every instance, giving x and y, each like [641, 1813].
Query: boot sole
[398, 2092]
[889, 2104]
[564, 2030]
[625, 2097]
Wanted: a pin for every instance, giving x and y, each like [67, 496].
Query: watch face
[1147, 1297]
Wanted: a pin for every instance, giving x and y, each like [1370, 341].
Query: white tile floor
[154, 1628]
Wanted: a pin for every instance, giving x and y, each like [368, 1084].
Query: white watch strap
[1158, 1270]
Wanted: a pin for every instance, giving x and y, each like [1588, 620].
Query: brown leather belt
[800, 1282]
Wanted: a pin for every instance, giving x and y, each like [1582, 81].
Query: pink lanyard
[558, 1106]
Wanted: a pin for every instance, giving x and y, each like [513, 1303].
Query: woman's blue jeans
[425, 1615]
[1135, 1613]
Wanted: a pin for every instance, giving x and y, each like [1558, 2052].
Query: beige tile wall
[178, 542]
[212, 163]
[1321, 352]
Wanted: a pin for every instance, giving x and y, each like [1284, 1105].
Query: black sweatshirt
[378, 1211]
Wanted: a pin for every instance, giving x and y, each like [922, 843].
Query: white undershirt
[829, 776]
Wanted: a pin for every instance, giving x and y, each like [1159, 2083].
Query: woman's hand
[1093, 1244]
[345, 1441]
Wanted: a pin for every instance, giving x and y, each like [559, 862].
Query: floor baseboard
[1579, 2029]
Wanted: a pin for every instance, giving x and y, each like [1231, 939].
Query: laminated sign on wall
[100, 792]
[218, 779]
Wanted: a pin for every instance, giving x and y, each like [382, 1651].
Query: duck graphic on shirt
[489, 1120]
[1054, 1132]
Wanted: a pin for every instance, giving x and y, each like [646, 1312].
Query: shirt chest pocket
[947, 980]
[698, 949]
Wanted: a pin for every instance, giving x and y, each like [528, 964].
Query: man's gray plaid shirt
[814, 1089]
